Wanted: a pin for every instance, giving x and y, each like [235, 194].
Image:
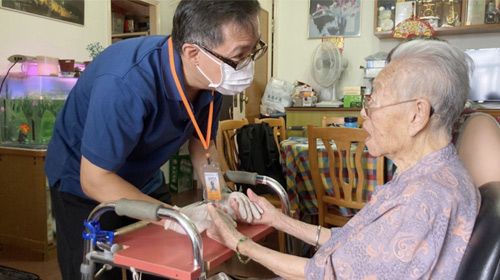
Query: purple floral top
[416, 226]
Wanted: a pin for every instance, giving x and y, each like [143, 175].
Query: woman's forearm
[303, 231]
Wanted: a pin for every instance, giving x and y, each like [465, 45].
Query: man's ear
[191, 53]
[420, 116]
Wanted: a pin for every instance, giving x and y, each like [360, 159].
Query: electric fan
[327, 65]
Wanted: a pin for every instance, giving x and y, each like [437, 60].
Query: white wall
[33, 35]
[293, 51]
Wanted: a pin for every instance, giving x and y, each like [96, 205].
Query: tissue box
[353, 101]
[180, 173]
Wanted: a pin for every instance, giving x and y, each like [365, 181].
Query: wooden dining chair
[227, 146]
[279, 128]
[328, 121]
[279, 132]
[346, 194]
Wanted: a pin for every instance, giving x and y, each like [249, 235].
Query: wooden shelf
[130, 34]
[457, 30]
[441, 31]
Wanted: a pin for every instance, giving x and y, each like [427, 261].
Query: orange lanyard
[206, 141]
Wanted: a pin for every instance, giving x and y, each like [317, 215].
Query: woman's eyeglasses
[367, 100]
[237, 65]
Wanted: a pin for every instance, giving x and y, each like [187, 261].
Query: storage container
[47, 66]
[28, 108]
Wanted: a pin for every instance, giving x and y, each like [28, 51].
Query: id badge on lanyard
[212, 188]
[210, 170]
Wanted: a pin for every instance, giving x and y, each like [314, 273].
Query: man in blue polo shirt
[136, 104]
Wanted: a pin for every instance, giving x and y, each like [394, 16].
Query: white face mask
[232, 82]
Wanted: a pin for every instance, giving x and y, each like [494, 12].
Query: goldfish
[24, 129]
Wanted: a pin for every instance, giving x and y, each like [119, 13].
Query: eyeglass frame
[367, 98]
[242, 62]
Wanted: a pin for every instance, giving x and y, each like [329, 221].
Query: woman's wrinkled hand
[223, 228]
[240, 208]
[270, 212]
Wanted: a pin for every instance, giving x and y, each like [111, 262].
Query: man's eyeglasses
[237, 65]
[367, 100]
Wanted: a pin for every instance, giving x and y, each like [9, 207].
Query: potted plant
[94, 50]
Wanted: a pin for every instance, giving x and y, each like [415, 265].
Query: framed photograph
[334, 18]
[65, 10]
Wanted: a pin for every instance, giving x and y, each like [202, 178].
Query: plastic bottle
[350, 121]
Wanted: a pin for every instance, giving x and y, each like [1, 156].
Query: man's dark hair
[200, 21]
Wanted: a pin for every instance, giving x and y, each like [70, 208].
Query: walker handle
[138, 209]
[241, 177]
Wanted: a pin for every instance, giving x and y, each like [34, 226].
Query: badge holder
[212, 189]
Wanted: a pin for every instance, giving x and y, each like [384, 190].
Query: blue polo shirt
[125, 115]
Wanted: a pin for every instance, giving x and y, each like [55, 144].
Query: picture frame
[69, 11]
[334, 18]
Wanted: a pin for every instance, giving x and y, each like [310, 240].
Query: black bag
[258, 153]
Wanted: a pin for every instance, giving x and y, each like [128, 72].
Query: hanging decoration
[412, 27]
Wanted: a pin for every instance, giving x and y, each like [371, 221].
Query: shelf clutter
[447, 17]
[128, 19]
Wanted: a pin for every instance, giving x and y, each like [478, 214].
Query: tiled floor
[25, 261]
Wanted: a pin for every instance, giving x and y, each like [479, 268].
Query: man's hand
[197, 214]
[239, 206]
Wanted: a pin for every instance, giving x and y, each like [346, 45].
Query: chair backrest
[227, 146]
[481, 260]
[279, 128]
[327, 121]
[350, 143]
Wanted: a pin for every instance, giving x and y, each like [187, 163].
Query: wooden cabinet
[462, 28]
[141, 15]
[25, 212]
[297, 118]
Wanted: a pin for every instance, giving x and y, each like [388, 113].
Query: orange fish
[25, 129]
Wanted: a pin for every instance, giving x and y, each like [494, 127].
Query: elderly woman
[416, 226]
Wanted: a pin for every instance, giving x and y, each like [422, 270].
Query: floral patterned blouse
[416, 226]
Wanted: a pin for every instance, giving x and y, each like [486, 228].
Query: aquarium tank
[28, 109]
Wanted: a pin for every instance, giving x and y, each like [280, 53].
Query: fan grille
[326, 64]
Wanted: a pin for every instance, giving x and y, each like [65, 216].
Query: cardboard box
[180, 173]
[355, 90]
[353, 101]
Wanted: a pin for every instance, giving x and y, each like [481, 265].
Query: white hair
[435, 70]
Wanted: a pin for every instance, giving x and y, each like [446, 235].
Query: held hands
[223, 229]
[225, 232]
[197, 214]
[239, 206]
[270, 213]
[236, 204]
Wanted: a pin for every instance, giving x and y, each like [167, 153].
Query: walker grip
[241, 177]
[138, 209]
